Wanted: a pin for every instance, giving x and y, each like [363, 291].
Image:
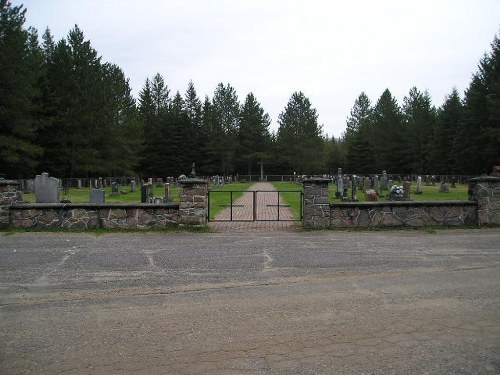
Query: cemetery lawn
[290, 195]
[429, 193]
[126, 196]
[219, 201]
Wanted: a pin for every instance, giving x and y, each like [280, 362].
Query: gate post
[485, 190]
[316, 204]
[193, 202]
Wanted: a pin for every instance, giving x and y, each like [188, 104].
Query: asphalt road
[402, 302]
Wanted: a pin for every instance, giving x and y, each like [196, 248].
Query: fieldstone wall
[193, 202]
[486, 192]
[400, 214]
[88, 216]
[316, 203]
[8, 196]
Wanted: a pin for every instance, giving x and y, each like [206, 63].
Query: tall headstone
[147, 193]
[168, 196]
[366, 183]
[383, 181]
[100, 183]
[406, 190]
[46, 189]
[159, 182]
[418, 190]
[354, 191]
[114, 189]
[340, 184]
[133, 185]
[78, 184]
[97, 196]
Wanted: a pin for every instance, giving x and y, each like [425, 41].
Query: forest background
[65, 111]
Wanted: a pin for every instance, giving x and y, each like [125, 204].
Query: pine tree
[444, 144]
[419, 117]
[254, 137]
[389, 137]
[19, 76]
[299, 138]
[357, 138]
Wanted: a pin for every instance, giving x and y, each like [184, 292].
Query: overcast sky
[330, 50]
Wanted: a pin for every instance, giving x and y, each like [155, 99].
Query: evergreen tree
[254, 137]
[195, 132]
[444, 145]
[389, 137]
[357, 137]
[299, 138]
[478, 144]
[419, 117]
[154, 103]
[225, 137]
[20, 72]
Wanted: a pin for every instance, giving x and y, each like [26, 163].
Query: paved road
[403, 302]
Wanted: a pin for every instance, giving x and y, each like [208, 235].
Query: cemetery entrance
[249, 206]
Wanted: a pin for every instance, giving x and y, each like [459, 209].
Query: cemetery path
[266, 212]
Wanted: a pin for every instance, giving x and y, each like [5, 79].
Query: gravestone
[150, 181]
[444, 188]
[100, 184]
[433, 180]
[133, 186]
[30, 186]
[376, 184]
[354, 191]
[114, 189]
[383, 181]
[366, 183]
[46, 189]
[390, 184]
[97, 196]
[418, 190]
[453, 182]
[78, 184]
[406, 190]
[168, 196]
[340, 184]
[371, 195]
[159, 182]
[146, 193]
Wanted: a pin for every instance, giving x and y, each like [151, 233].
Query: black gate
[261, 205]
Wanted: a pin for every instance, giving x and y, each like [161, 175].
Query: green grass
[290, 196]
[83, 195]
[429, 193]
[220, 196]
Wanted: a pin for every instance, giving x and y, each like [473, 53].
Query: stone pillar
[9, 195]
[316, 203]
[485, 190]
[193, 202]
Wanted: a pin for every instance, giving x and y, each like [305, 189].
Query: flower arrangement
[396, 190]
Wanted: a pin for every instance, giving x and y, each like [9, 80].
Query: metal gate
[261, 205]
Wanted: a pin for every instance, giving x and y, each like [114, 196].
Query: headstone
[354, 191]
[406, 190]
[453, 182]
[30, 186]
[146, 193]
[100, 183]
[97, 196]
[96, 184]
[150, 181]
[46, 189]
[376, 184]
[433, 180]
[390, 184]
[371, 195]
[168, 196]
[133, 185]
[445, 188]
[366, 183]
[418, 190]
[159, 182]
[78, 184]
[114, 189]
[340, 184]
[383, 181]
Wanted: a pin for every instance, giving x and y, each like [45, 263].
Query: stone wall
[485, 190]
[401, 214]
[88, 216]
[193, 202]
[320, 214]
[8, 196]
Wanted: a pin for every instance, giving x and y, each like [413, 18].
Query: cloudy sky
[330, 50]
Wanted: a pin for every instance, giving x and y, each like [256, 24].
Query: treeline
[65, 111]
